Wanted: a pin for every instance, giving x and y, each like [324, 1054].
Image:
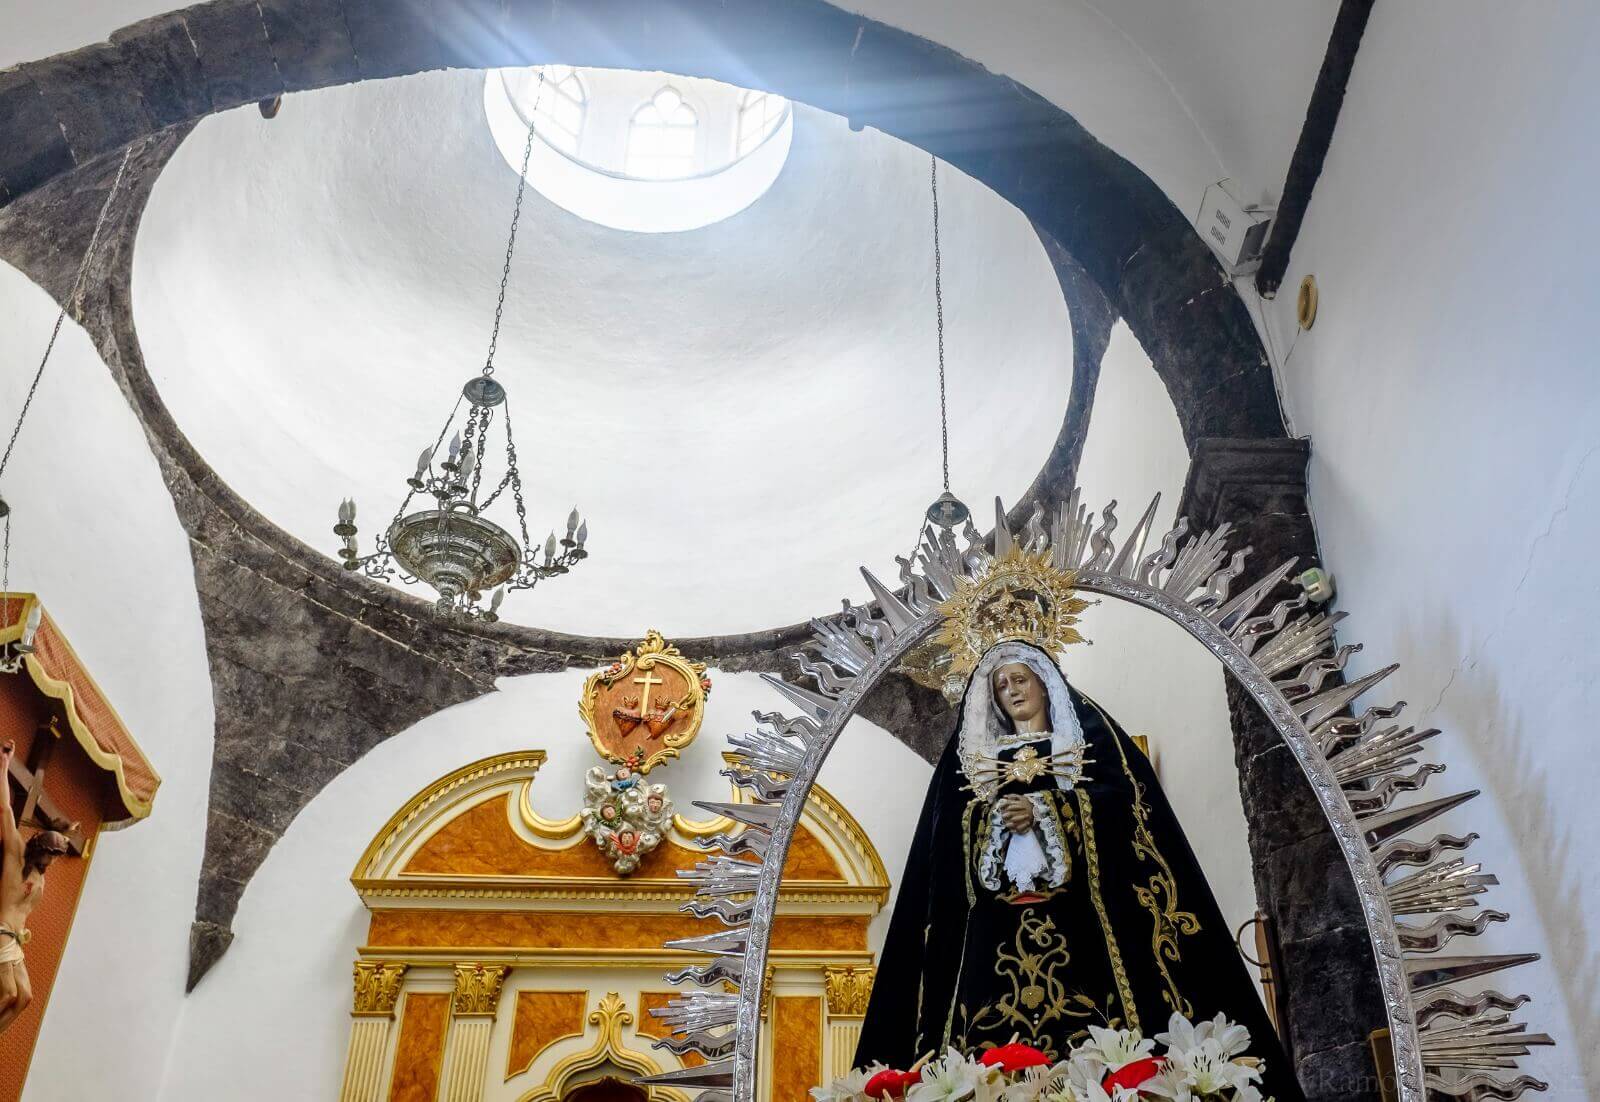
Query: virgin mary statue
[1050, 888]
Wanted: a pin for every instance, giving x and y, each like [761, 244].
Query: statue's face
[1021, 695]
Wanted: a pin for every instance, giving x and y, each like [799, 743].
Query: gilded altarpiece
[506, 961]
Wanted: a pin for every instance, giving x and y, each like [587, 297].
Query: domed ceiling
[744, 412]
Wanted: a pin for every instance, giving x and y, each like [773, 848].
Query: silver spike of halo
[795, 727]
[753, 842]
[827, 678]
[722, 876]
[1435, 935]
[760, 750]
[1427, 972]
[1452, 1004]
[702, 1042]
[1337, 732]
[1101, 545]
[761, 816]
[1197, 561]
[1377, 797]
[1486, 1041]
[1385, 825]
[1377, 753]
[1311, 676]
[893, 608]
[1230, 615]
[758, 782]
[1446, 887]
[722, 943]
[1252, 632]
[1313, 710]
[839, 645]
[717, 1074]
[1299, 640]
[1126, 562]
[1164, 556]
[730, 912]
[717, 972]
[698, 1010]
[1221, 582]
[815, 704]
[1003, 541]
[1405, 851]
[1481, 1087]
[1070, 539]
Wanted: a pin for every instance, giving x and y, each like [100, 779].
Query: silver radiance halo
[1447, 1042]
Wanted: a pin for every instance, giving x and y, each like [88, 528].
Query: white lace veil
[983, 723]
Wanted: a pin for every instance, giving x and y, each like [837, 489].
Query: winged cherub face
[1022, 696]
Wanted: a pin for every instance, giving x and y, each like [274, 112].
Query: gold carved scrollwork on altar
[477, 990]
[848, 990]
[377, 987]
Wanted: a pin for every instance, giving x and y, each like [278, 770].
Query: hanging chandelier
[452, 543]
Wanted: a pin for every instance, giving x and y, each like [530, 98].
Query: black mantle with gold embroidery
[1132, 934]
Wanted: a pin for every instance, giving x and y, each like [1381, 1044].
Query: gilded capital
[848, 989]
[377, 987]
[478, 989]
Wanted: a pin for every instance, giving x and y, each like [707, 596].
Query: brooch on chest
[988, 773]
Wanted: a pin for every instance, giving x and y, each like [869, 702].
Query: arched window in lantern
[662, 138]
[760, 113]
[562, 108]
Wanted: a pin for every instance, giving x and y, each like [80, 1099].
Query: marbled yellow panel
[419, 1053]
[542, 1019]
[796, 1047]
[481, 842]
[442, 929]
[651, 1026]
[810, 860]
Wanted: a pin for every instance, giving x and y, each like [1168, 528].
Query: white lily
[851, 1087]
[1112, 1048]
[950, 1079]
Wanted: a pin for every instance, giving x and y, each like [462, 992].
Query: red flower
[891, 1084]
[1014, 1057]
[1131, 1075]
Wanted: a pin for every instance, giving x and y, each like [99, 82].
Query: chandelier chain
[72, 300]
[938, 303]
[516, 218]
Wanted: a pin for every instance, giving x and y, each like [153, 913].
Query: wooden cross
[36, 805]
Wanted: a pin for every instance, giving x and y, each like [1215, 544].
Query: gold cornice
[646, 959]
[598, 889]
[413, 807]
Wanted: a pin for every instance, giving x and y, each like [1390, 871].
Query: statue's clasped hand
[1017, 813]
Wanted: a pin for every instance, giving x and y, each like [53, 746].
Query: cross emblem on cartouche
[647, 680]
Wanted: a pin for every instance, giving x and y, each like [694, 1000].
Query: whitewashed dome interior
[744, 412]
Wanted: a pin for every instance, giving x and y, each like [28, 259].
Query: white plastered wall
[284, 986]
[1144, 670]
[95, 535]
[1450, 394]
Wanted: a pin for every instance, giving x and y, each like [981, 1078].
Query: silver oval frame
[1446, 1043]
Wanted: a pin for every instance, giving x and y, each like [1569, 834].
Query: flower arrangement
[1199, 1063]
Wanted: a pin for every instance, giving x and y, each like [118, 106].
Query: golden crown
[1018, 597]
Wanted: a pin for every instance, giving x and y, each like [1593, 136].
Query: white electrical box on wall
[1235, 234]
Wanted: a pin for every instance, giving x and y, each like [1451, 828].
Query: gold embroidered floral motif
[1032, 965]
[1159, 896]
[1091, 855]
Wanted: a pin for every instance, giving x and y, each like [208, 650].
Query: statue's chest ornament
[1026, 767]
